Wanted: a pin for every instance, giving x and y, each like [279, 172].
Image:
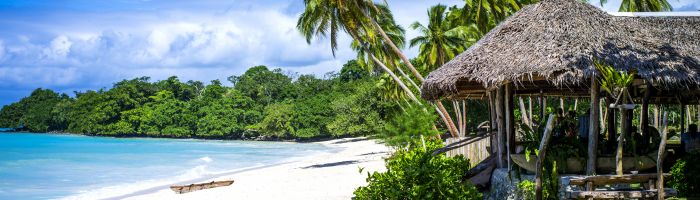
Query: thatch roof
[557, 40]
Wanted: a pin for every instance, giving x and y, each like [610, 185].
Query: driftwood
[199, 186]
[540, 157]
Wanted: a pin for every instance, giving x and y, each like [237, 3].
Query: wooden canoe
[199, 186]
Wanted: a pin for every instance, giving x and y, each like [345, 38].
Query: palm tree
[642, 5]
[441, 40]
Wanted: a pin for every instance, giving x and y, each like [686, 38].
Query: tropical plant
[417, 174]
[614, 82]
[684, 177]
[410, 128]
[362, 20]
[642, 5]
[441, 40]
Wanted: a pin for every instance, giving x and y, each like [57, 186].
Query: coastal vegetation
[262, 103]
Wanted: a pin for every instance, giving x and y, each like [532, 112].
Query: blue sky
[76, 45]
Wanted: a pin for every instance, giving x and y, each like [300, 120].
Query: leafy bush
[417, 174]
[526, 189]
[684, 177]
[406, 128]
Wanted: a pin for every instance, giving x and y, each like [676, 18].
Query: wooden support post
[644, 119]
[501, 135]
[541, 155]
[682, 118]
[458, 117]
[660, 160]
[524, 113]
[561, 106]
[656, 118]
[464, 118]
[594, 127]
[620, 141]
[494, 121]
[529, 110]
[612, 126]
[543, 106]
[510, 122]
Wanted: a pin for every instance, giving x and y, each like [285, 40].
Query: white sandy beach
[322, 176]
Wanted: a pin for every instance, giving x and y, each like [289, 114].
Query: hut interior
[546, 52]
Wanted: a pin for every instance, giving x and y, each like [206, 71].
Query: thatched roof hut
[554, 43]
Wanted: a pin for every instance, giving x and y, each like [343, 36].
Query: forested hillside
[262, 103]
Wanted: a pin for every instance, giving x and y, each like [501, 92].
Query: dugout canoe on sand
[199, 186]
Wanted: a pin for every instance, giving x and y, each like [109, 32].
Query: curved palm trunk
[396, 78]
[403, 74]
[448, 120]
[439, 107]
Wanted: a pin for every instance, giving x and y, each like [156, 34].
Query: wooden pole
[543, 105]
[660, 160]
[697, 110]
[682, 117]
[594, 127]
[656, 118]
[620, 141]
[494, 121]
[561, 106]
[612, 126]
[510, 122]
[644, 119]
[689, 115]
[529, 110]
[458, 116]
[524, 113]
[464, 117]
[541, 155]
[501, 135]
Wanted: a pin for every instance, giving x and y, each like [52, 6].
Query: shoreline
[261, 139]
[325, 175]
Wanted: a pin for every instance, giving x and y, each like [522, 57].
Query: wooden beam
[540, 157]
[501, 134]
[593, 128]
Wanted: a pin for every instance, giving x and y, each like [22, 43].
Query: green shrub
[417, 174]
[405, 129]
[685, 175]
[526, 189]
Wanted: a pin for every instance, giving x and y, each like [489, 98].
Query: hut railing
[476, 148]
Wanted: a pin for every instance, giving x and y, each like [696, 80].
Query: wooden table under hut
[609, 134]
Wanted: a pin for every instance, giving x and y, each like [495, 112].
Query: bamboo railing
[473, 147]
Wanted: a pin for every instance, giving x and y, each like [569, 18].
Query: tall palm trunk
[441, 108]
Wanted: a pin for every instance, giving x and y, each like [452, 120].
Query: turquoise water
[48, 166]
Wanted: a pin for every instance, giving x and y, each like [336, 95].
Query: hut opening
[547, 51]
